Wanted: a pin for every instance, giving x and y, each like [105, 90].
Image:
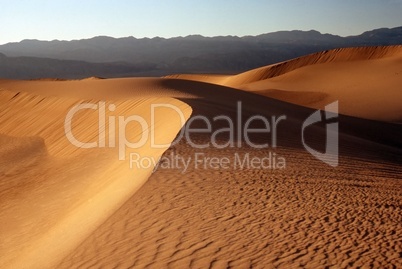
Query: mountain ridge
[130, 56]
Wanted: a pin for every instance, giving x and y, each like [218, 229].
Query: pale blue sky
[73, 19]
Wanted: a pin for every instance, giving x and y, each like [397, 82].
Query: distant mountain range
[118, 57]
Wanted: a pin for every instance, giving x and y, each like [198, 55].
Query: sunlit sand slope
[365, 80]
[52, 193]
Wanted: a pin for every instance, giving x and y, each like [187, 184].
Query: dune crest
[365, 80]
[329, 56]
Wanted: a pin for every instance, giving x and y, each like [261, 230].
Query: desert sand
[366, 81]
[54, 194]
[67, 207]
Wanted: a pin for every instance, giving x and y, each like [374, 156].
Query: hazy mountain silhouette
[33, 67]
[129, 56]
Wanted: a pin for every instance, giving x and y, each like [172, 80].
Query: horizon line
[193, 35]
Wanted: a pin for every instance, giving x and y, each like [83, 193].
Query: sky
[73, 19]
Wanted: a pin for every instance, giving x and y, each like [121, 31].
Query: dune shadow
[359, 138]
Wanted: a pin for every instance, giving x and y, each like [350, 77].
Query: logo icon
[328, 116]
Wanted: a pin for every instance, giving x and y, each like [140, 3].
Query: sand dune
[211, 100]
[308, 215]
[54, 194]
[365, 80]
[270, 71]
[67, 207]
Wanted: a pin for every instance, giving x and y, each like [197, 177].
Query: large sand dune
[366, 81]
[68, 207]
[54, 194]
